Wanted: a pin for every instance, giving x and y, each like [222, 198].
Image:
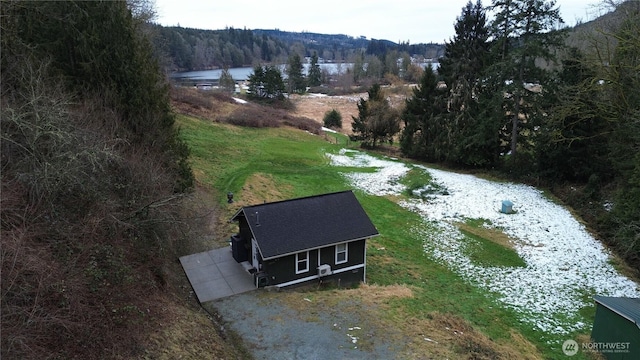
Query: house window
[341, 253]
[302, 262]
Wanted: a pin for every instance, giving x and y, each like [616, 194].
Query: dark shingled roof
[628, 308]
[290, 226]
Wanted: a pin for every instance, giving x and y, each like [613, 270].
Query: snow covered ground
[565, 268]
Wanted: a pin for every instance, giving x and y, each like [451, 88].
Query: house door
[254, 254]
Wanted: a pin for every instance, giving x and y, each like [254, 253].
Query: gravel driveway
[274, 327]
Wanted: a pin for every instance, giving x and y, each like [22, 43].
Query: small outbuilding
[304, 240]
[616, 327]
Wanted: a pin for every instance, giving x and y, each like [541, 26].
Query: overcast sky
[416, 21]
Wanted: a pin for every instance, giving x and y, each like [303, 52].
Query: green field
[224, 158]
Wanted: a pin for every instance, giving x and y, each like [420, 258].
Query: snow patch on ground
[383, 182]
[238, 100]
[565, 268]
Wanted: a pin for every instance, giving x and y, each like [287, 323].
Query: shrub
[302, 123]
[191, 97]
[333, 119]
[257, 116]
[252, 116]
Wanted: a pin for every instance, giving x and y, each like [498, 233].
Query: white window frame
[305, 261]
[344, 251]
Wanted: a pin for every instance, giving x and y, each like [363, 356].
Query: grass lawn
[273, 164]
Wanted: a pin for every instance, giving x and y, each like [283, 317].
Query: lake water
[242, 73]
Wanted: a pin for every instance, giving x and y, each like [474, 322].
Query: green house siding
[327, 255]
[615, 328]
[355, 255]
[282, 270]
[356, 252]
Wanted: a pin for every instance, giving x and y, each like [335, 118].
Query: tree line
[511, 96]
[184, 49]
[187, 49]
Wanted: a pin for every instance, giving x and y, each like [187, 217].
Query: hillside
[347, 44]
[97, 197]
[600, 30]
[189, 49]
[109, 175]
[440, 275]
[185, 49]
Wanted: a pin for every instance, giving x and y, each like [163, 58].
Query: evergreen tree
[255, 82]
[226, 81]
[315, 75]
[332, 119]
[266, 83]
[377, 121]
[274, 85]
[462, 69]
[295, 80]
[424, 135]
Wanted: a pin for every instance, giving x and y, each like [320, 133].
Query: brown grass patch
[495, 235]
[188, 333]
[220, 107]
[442, 336]
[261, 188]
[210, 105]
[370, 295]
[315, 107]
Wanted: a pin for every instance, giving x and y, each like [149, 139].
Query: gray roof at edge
[290, 226]
[629, 308]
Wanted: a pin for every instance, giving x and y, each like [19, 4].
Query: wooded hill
[187, 49]
[95, 187]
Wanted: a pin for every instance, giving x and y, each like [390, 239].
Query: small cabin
[319, 238]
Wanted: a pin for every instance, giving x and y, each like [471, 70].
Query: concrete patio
[215, 274]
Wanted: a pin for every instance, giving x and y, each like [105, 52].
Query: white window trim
[346, 253]
[298, 261]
